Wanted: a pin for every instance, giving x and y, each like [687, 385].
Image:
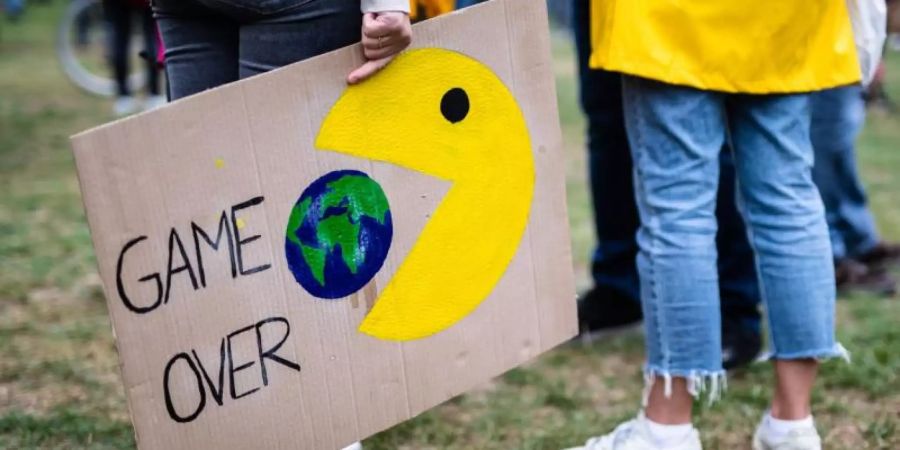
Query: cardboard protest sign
[290, 262]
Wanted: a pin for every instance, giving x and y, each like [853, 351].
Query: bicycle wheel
[81, 47]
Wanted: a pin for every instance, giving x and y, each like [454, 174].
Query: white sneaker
[354, 446]
[125, 106]
[806, 438]
[155, 101]
[634, 435]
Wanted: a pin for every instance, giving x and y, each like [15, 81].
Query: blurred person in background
[894, 24]
[861, 256]
[120, 15]
[614, 302]
[876, 95]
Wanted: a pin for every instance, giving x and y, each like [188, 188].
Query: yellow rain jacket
[749, 46]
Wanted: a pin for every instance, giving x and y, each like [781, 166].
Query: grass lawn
[59, 377]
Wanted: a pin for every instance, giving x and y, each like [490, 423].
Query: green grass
[59, 378]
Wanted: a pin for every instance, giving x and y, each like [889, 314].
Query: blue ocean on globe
[338, 234]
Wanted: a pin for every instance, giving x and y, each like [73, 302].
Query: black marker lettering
[270, 353]
[232, 370]
[171, 407]
[121, 286]
[216, 390]
[173, 239]
[265, 350]
[240, 242]
[223, 229]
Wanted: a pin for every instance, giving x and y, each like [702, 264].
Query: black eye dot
[455, 105]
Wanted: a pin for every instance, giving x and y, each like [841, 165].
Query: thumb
[368, 69]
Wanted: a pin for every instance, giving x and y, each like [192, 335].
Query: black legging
[119, 14]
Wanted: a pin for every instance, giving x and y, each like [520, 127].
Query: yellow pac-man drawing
[448, 116]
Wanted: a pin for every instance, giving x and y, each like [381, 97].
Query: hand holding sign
[433, 194]
[384, 35]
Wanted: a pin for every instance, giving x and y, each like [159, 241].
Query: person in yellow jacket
[697, 74]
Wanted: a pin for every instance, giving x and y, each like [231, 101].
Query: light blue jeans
[837, 118]
[676, 134]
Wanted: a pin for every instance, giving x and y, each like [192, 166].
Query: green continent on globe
[353, 196]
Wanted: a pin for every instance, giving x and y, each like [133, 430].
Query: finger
[369, 43]
[375, 43]
[375, 27]
[384, 48]
[368, 69]
[388, 40]
[379, 53]
[382, 52]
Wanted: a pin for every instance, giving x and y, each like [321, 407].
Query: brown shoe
[852, 275]
[883, 254]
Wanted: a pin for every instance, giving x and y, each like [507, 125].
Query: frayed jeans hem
[710, 382]
[836, 351]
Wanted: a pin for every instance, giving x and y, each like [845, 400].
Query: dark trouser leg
[614, 301]
[82, 26]
[609, 159]
[149, 31]
[201, 46]
[119, 17]
[295, 34]
[837, 118]
[838, 115]
[210, 44]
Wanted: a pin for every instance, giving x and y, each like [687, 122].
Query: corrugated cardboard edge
[91, 227]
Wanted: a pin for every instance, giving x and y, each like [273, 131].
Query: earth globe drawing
[338, 234]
